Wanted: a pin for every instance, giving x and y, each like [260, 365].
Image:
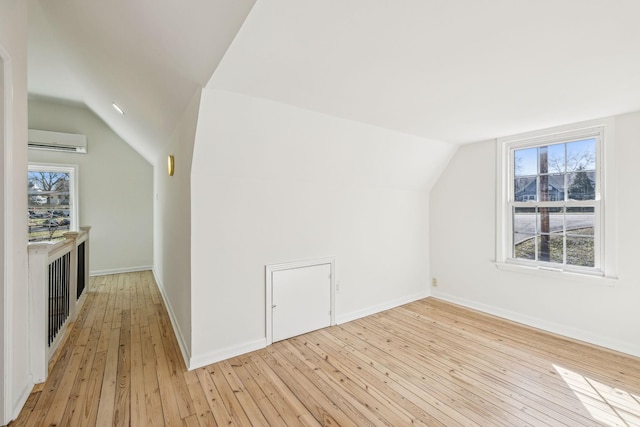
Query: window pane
[556, 220]
[48, 204]
[525, 189]
[582, 185]
[581, 155]
[543, 195]
[524, 225]
[550, 220]
[556, 158]
[524, 232]
[551, 248]
[580, 251]
[525, 162]
[580, 221]
[543, 159]
[525, 249]
[556, 188]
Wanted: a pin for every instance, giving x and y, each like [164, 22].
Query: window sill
[558, 273]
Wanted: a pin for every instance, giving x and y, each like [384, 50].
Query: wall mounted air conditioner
[57, 141]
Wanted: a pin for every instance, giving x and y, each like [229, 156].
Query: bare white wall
[115, 186]
[16, 381]
[273, 183]
[463, 230]
[172, 226]
[3, 249]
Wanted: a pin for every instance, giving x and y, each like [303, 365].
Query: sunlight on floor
[606, 404]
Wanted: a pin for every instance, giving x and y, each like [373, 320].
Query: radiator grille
[59, 280]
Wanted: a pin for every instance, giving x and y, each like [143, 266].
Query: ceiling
[148, 56]
[457, 71]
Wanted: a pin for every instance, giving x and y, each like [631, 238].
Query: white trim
[21, 400]
[609, 205]
[604, 205]
[552, 327]
[120, 270]
[548, 272]
[226, 353]
[368, 311]
[6, 362]
[270, 269]
[184, 349]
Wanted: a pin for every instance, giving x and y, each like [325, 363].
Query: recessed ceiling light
[117, 108]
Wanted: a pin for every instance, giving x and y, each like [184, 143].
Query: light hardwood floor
[425, 363]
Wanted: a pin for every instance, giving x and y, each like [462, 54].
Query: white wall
[115, 187]
[3, 250]
[172, 226]
[463, 224]
[16, 382]
[273, 183]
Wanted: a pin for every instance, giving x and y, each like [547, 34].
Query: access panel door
[301, 300]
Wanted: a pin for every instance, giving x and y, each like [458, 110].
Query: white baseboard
[354, 315]
[226, 353]
[186, 355]
[21, 401]
[120, 270]
[194, 362]
[632, 349]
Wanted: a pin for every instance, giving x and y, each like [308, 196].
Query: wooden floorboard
[427, 363]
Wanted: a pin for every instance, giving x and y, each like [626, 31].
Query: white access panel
[301, 300]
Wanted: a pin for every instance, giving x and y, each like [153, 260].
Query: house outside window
[51, 201]
[551, 208]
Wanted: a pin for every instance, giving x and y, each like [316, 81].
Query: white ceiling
[458, 71]
[149, 56]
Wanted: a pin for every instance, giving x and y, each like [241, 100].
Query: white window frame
[72, 170]
[604, 203]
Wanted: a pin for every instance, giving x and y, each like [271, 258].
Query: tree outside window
[553, 209]
[50, 209]
[554, 202]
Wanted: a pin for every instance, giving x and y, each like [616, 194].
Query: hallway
[120, 364]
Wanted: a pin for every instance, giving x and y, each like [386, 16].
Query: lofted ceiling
[457, 71]
[454, 70]
[148, 56]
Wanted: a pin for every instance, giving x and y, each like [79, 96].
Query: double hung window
[551, 210]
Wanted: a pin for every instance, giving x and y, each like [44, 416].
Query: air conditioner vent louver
[57, 141]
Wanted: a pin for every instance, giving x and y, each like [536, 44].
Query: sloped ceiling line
[457, 72]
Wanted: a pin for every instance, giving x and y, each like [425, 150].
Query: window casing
[52, 201]
[551, 200]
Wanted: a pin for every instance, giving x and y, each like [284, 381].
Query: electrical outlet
[434, 282]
